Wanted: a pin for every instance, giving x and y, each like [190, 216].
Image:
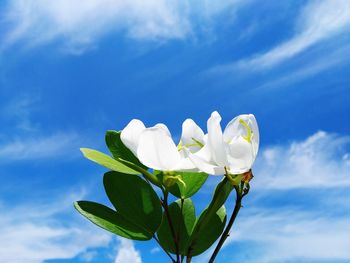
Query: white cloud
[127, 252]
[318, 161]
[34, 232]
[294, 229]
[55, 145]
[19, 111]
[23, 139]
[88, 256]
[312, 66]
[155, 250]
[319, 20]
[293, 235]
[78, 24]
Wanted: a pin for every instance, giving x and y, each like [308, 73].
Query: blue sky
[69, 71]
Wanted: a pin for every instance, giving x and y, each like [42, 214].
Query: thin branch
[166, 210]
[225, 234]
[170, 256]
[180, 225]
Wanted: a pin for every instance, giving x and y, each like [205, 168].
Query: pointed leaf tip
[106, 161]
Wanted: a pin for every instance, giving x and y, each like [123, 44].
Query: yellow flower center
[197, 143]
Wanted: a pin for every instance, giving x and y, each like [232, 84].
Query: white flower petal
[157, 150]
[235, 129]
[256, 136]
[240, 155]
[164, 127]
[191, 133]
[205, 166]
[205, 154]
[215, 139]
[187, 165]
[131, 133]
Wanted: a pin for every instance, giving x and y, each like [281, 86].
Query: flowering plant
[146, 161]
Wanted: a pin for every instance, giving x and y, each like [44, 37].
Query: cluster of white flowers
[216, 152]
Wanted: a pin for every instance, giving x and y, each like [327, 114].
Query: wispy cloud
[308, 219]
[22, 138]
[293, 235]
[319, 20]
[322, 160]
[127, 252]
[19, 111]
[34, 233]
[39, 147]
[300, 232]
[79, 25]
[313, 65]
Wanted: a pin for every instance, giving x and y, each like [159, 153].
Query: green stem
[166, 210]
[221, 193]
[225, 234]
[180, 226]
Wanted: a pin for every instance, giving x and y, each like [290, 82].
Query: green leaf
[119, 150]
[135, 199]
[221, 193]
[183, 222]
[111, 220]
[207, 234]
[149, 176]
[106, 161]
[192, 182]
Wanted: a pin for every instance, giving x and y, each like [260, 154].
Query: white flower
[192, 137]
[234, 150]
[130, 135]
[155, 148]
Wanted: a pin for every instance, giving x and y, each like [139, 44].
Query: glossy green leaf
[111, 220]
[183, 221]
[106, 161]
[208, 233]
[119, 150]
[191, 183]
[149, 176]
[221, 193]
[135, 199]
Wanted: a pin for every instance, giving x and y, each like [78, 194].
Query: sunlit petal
[157, 150]
[164, 127]
[206, 166]
[131, 133]
[240, 155]
[192, 136]
[215, 139]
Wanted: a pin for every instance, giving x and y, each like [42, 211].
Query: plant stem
[166, 210]
[180, 226]
[225, 234]
[156, 239]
